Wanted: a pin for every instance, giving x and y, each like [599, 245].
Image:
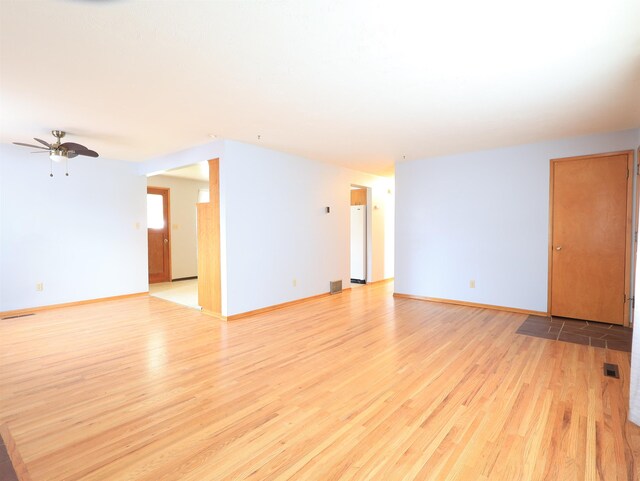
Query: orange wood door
[158, 234]
[590, 237]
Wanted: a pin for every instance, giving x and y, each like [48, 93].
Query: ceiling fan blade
[47, 144]
[87, 152]
[71, 154]
[73, 146]
[30, 145]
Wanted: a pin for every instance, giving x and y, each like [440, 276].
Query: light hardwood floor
[357, 386]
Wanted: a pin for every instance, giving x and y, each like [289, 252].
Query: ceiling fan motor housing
[58, 134]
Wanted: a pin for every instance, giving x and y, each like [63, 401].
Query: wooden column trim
[214, 200]
[209, 276]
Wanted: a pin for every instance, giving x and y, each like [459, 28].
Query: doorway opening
[185, 187]
[360, 235]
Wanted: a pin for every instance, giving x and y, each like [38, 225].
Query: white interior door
[358, 242]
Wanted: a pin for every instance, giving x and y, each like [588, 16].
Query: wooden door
[158, 234]
[591, 237]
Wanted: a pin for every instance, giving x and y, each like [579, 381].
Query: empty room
[319, 240]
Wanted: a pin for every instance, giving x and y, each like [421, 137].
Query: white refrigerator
[359, 243]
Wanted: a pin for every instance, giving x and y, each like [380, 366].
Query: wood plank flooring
[357, 386]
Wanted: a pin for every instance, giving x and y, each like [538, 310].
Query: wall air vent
[335, 287]
[611, 370]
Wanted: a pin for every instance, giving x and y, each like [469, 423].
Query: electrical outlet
[295, 282]
[40, 286]
[472, 283]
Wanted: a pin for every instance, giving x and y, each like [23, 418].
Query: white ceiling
[359, 83]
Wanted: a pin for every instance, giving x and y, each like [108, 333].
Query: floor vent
[335, 287]
[19, 315]
[611, 370]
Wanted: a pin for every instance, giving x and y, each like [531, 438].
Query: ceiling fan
[60, 151]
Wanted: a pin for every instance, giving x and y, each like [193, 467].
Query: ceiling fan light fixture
[58, 155]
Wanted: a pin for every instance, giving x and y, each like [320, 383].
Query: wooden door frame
[163, 191]
[628, 230]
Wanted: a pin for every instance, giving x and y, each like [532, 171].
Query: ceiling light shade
[58, 155]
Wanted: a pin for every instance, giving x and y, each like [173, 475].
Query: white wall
[83, 236]
[183, 195]
[276, 229]
[634, 395]
[483, 216]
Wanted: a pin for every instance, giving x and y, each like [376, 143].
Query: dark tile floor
[7, 473]
[608, 336]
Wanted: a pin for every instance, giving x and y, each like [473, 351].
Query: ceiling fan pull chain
[51, 168]
[67, 165]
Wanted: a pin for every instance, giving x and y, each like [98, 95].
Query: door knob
[166, 241]
[559, 248]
